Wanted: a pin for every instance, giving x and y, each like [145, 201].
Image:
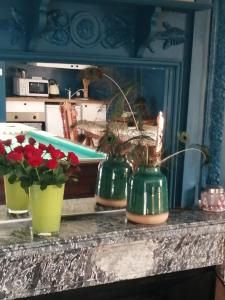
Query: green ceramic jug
[112, 182]
[147, 196]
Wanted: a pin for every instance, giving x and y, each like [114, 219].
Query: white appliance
[53, 120]
[35, 86]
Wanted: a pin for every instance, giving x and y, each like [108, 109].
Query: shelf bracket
[39, 21]
[146, 24]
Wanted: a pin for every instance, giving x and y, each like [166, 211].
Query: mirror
[149, 89]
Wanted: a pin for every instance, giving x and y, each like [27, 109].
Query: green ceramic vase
[46, 208]
[147, 196]
[17, 200]
[112, 182]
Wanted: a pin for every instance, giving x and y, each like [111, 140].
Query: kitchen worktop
[55, 100]
[102, 247]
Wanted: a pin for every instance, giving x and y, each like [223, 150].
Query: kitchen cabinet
[95, 112]
[85, 111]
[47, 112]
[29, 112]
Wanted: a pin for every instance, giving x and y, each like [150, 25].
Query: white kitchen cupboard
[95, 112]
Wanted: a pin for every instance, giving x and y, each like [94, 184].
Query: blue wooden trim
[179, 5]
[67, 58]
[2, 93]
[216, 91]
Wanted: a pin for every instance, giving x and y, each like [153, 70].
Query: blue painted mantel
[103, 248]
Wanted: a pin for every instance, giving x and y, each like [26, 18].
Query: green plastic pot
[17, 200]
[112, 182]
[46, 208]
[147, 196]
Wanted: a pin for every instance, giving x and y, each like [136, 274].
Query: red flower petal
[15, 156]
[52, 164]
[20, 138]
[35, 161]
[7, 142]
[31, 141]
[2, 148]
[72, 158]
[42, 147]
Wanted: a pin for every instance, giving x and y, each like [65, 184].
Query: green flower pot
[17, 200]
[112, 182]
[46, 208]
[147, 196]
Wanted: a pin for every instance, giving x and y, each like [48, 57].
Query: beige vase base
[147, 219]
[112, 203]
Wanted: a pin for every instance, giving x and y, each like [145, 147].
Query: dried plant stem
[125, 97]
[182, 151]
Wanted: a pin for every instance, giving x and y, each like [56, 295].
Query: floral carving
[57, 30]
[15, 25]
[117, 32]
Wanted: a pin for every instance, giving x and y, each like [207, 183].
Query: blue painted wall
[146, 46]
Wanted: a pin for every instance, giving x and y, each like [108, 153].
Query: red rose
[31, 141]
[31, 151]
[20, 138]
[57, 154]
[72, 158]
[42, 147]
[35, 161]
[18, 149]
[29, 148]
[15, 156]
[50, 148]
[52, 164]
[2, 148]
[7, 142]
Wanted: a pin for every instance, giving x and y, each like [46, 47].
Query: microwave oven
[37, 87]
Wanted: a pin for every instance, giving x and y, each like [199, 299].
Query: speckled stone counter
[100, 248]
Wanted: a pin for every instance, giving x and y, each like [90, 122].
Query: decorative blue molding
[216, 99]
[171, 36]
[15, 26]
[117, 32]
[85, 29]
[57, 30]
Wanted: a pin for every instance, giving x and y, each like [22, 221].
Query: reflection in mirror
[149, 89]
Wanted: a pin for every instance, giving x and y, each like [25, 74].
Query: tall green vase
[46, 208]
[112, 182]
[147, 196]
[17, 200]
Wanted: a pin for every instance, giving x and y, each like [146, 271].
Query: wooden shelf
[169, 4]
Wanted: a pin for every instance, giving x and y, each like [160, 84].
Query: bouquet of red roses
[35, 163]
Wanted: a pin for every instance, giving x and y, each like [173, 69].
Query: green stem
[124, 96]
[37, 174]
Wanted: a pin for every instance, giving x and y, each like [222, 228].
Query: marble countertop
[96, 247]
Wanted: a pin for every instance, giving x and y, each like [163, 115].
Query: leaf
[26, 182]
[43, 186]
[12, 178]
